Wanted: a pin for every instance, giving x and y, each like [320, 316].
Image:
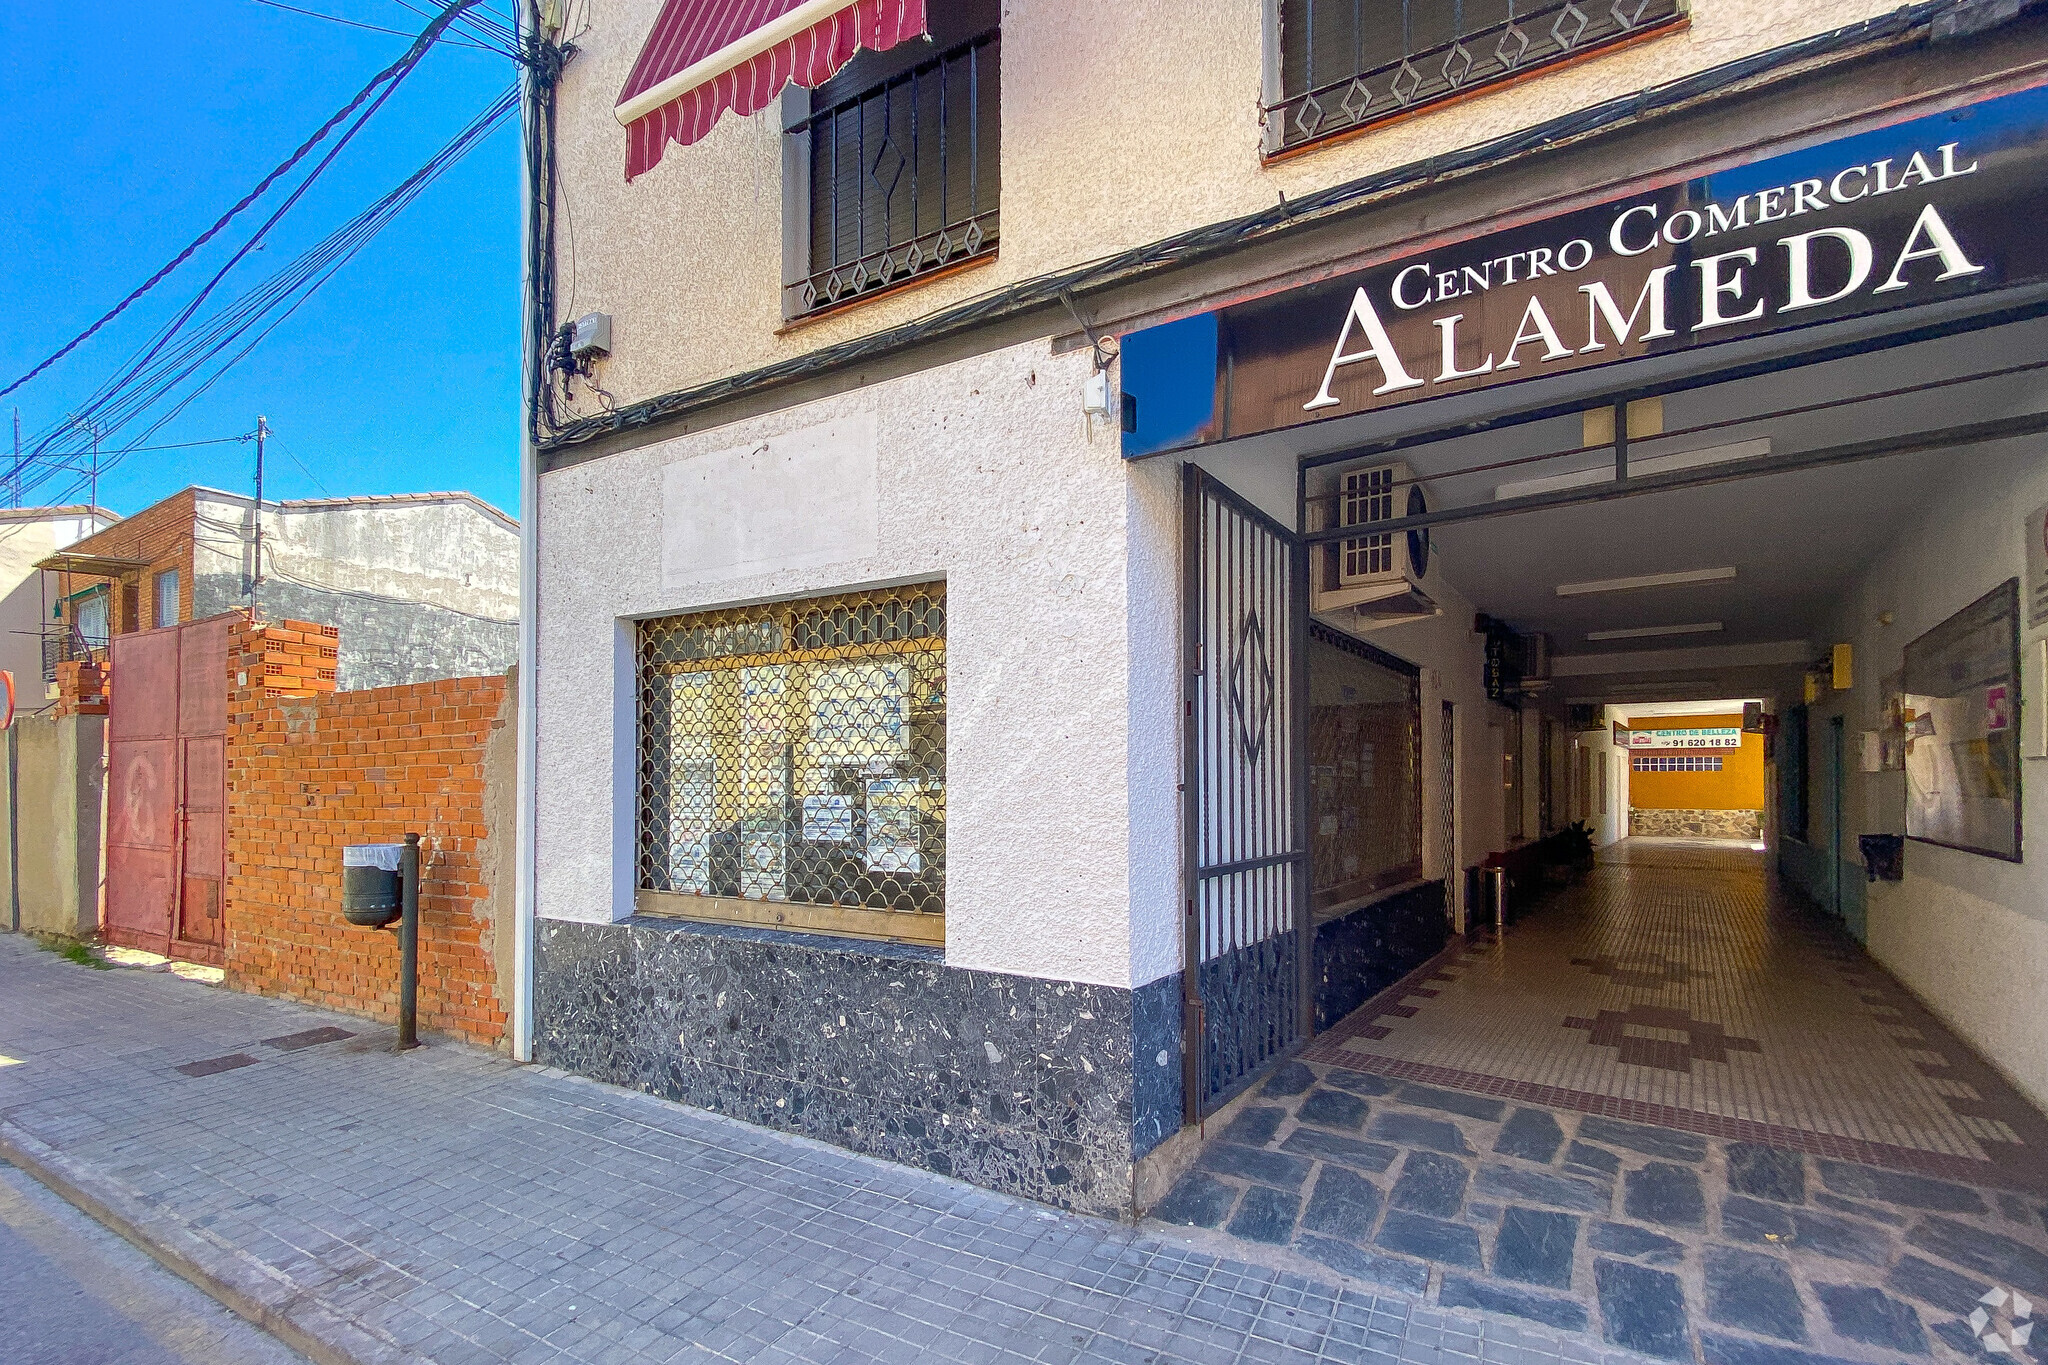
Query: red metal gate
[167, 721]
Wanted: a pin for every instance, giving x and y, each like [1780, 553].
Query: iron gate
[167, 721]
[1245, 885]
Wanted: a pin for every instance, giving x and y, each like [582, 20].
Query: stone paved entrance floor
[447, 1205]
[1774, 1156]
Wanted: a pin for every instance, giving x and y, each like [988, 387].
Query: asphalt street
[72, 1293]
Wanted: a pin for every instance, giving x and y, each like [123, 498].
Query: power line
[357, 23]
[261, 310]
[390, 74]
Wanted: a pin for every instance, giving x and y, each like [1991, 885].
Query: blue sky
[129, 126]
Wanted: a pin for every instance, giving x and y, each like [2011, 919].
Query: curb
[252, 1290]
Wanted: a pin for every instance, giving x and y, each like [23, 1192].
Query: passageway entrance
[1722, 678]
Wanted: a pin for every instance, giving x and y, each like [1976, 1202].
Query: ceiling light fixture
[1648, 580]
[1644, 632]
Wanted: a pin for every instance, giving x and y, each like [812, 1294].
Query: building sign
[1716, 737]
[1932, 209]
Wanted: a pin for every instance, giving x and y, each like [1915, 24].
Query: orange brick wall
[311, 770]
[160, 533]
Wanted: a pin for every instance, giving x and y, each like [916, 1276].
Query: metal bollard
[409, 943]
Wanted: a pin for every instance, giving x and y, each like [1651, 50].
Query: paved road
[72, 1293]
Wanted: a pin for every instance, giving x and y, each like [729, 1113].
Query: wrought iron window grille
[792, 764]
[1348, 64]
[903, 177]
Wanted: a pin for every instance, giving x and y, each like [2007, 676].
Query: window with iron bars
[1345, 64]
[895, 163]
[793, 764]
[1677, 763]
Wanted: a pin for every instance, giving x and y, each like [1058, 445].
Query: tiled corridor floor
[1675, 1109]
[1680, 986]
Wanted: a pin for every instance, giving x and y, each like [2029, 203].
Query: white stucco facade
[28, 534]
[1060, 568]
[1121, 125]
[1967, 933]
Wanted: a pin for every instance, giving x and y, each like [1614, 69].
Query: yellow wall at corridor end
[1738, 786]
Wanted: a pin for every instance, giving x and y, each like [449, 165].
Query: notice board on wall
[1961, 704]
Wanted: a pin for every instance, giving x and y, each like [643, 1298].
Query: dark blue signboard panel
[1937, 208]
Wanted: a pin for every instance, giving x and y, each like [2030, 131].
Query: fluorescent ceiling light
[1644, 632]
[1637, 466]
[1648, 580]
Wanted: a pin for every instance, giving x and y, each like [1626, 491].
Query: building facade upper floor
[1024, 138]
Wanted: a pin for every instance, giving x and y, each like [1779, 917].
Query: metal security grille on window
[1677, 763]
[1368, 497]
[795, 754]
[1346, 64]
[904, 176]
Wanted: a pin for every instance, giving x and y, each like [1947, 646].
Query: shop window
[793, 765]
[1677, 763]
[893, 165]
[166, 598]
[1365, 771]
[1340, 65]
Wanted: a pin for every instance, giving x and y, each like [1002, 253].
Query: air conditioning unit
[1371, 580]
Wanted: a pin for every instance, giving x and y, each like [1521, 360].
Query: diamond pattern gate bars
[167, 723]
[1245, 883]
[793, 764]
[1346, 64]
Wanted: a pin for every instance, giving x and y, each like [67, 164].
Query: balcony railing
[63, 645]
[1347, 64]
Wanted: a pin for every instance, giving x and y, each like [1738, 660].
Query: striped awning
[704, 57]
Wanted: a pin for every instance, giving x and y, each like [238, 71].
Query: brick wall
[81, 689]
[311, 770]
[160, 533]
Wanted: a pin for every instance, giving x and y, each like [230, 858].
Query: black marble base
[1047, 1089]
[1360, 954]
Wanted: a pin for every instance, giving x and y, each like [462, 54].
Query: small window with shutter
[892, 165]
[166, 599]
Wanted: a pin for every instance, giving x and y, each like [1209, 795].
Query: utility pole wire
[396, 69]
[357, 23]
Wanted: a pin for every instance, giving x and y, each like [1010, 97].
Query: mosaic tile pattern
[1681, 985]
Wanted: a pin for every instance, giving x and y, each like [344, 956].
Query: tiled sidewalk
[447, 1205]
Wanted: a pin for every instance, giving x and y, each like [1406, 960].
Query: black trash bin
[1884, 856]
[370, 891]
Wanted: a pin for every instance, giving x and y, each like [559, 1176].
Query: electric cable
[373, 28]
[405, 63]
[392, 77]
[287, 290]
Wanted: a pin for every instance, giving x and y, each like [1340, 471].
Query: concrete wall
[422, 587]
[1967, 933]
[1060, 566]
[1121, 124]
[60, 784]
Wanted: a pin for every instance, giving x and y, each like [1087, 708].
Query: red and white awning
[707, 56]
